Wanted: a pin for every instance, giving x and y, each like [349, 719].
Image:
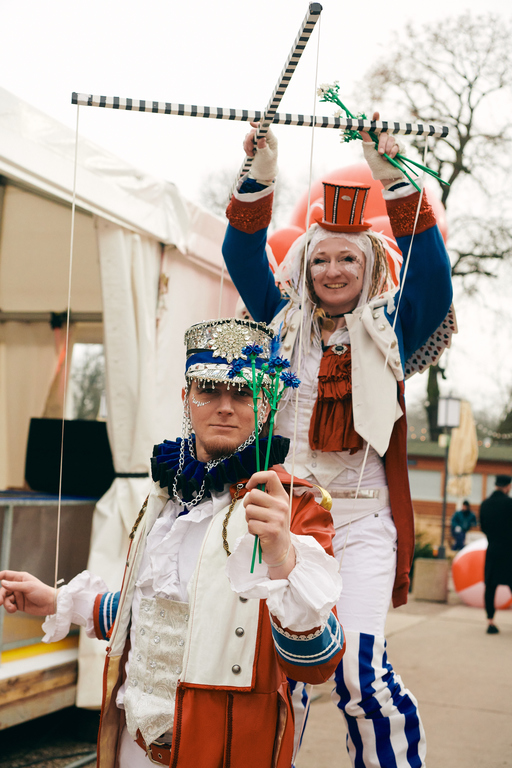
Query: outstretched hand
[264, 166]
[381, 168]
[267, 516]
[20, 591]
[388, 143]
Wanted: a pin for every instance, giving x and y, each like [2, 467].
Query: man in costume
[197, 662]
[360, 336]
[496, 523]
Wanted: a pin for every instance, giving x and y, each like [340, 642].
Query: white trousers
[383, 724]
[130, 754]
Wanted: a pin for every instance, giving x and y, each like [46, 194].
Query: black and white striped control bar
[247, 115]
[299, 44]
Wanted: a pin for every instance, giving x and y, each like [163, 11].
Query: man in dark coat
[496, 523]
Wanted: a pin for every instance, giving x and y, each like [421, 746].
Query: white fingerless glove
[264, 165]
[379, 166]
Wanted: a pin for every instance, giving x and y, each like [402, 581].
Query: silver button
[313, 463]
[314, 455]
[139, 657]
[149, 690]
[178, 670]
[143, 631]
[146, 608]
[152, 664]
[181, 642]
[186, 617]
[243, 599]
[382, 327]
[157, 639]
[162, 613]
[135, 682]
[239, 631]
[236, 669]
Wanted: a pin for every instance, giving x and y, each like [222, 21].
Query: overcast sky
[226, 54]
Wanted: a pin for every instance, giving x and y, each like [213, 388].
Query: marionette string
[304, 269]
[66, 350]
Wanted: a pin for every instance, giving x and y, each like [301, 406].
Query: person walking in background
[462, 520]
[496, 523]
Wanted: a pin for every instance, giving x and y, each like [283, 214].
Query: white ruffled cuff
[75, 605]
[396, 194]
[251, 197]
[300, 602]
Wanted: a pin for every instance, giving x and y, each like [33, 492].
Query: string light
[494, 435]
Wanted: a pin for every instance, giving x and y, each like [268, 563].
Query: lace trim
[291, 636]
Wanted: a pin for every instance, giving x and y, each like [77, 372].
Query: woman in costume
[360, 337]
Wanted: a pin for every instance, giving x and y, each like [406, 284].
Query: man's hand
[20, 591]
[266, 513]
[264, 167]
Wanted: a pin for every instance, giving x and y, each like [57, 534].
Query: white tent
[146, 265]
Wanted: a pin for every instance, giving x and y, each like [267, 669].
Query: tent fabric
[38, 151]
[27, 365]
[130, 267]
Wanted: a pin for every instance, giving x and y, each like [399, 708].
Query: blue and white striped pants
[384, 729]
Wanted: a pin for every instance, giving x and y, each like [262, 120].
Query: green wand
[330, 93]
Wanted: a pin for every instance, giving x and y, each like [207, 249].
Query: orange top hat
[343, 207]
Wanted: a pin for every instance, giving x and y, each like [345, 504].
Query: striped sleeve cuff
[105, 612]
[309, 650]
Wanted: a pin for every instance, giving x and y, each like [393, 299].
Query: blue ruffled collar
[165, 463]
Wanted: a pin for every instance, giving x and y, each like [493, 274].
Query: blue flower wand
[280, 380]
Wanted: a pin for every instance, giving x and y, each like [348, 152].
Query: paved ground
[461, 676]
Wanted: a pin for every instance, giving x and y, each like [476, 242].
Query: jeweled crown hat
[212, 346]
[343, 207]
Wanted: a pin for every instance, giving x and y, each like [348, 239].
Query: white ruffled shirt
[300, 602]
[334, 469]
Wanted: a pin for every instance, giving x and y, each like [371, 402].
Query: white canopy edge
[39, 152]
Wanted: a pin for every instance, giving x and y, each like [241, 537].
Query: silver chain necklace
[209, 465]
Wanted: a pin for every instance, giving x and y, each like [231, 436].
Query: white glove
[264, 165]
[379, 166]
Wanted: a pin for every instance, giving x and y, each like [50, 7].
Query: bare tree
[217, 186]
[459, 73]
[88, 376]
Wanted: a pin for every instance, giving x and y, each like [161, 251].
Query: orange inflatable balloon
[282, 240]
[359, 172]
[468, 577]
[440, 212]
[375, 204]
